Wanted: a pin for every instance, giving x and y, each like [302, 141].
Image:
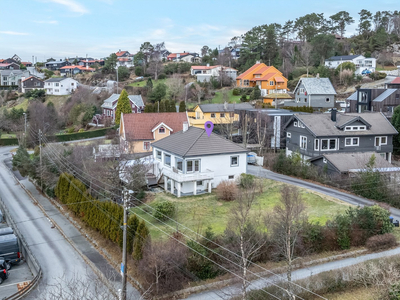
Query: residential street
[54, 253]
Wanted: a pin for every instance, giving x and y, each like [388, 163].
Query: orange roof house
[269, 79]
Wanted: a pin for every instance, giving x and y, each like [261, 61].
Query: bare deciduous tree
[305, 54]
[176, 87]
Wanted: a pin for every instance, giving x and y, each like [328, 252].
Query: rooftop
[137, 99]
[317, 86]
[343, 57]
[196, 142]
[207, 108]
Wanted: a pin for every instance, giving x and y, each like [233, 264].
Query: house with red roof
[185, 56]
[9, 66]
[138, 131]
[269, 79]
[204, 73]
[26, 63]
[124, 58]
[394, 84]
[31, 83]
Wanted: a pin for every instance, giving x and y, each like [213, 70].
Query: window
[231, 177]
[301, 125]
[295, 124]
[179, 164]
[234, 161]
[305, 99]
[158, 154]
[246, 82]
[212, 115]
[56, 90]
[192, 166]
[257, 76]
[72, 83]
[271, 83]
[288, 134]
[348, 128]
[303, 142]
[200, 182]
[161, 130]
[146, 145]
[353, 128]
[231, 115]
[352, 141]
[327, 100]
[380, 140]
[57, 84]
[328, 144]
[222, 115]
[167, 160]
[4, 78]
[324, 160]
[316, 144]
[397, 96]
[302, 90]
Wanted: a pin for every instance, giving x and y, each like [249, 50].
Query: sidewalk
[79, 242]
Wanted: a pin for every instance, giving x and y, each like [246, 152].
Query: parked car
[6, 230]
[251, 158]
[3, 270]
[366, 72]
[9, 249]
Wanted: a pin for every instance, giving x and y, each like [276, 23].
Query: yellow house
[216, 113]
[138, 130]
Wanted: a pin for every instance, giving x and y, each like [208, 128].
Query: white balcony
[180, 177]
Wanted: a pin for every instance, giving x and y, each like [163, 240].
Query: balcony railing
[180, 177]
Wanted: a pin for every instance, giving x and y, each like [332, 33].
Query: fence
[26, 253]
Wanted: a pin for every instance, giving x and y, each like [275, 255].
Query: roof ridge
[194, 141]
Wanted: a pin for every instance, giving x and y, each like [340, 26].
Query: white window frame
[237, 164]
[329, 142]
[170, 160]
[193, 161]
[199, 182]
[352, 141]
[288, 134]
[212, 115]
[295, 123]
[316, 144]
[231, 177]
[271, 83]
[303, 142]
[159, 157]
[327, 100]
[302, 90]
[324, 160]
[159, 130]
[222, 115]
[380, 140]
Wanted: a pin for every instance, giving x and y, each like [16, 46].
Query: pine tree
[141, 236]
[172, 106]
[182, 106]
[149, 108]
[149, 83]
[162, 106]
[123, 106]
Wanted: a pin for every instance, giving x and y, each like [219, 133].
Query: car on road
[9, 249]
[3, 270]
[6, 230]
[251, 158]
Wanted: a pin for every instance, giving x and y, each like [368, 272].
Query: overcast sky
[69, 28]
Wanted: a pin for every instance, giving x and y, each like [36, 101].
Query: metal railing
[26, 253]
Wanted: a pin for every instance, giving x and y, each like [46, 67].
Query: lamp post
[25, 130]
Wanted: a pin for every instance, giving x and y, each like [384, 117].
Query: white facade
[194, 175]
[62, 87]
[362, 63]
[205, 73]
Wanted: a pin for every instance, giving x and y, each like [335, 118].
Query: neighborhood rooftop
[58, 79]
[343, 57]
[196, 142]
[317, 86]
[137, 99]
[322, 125]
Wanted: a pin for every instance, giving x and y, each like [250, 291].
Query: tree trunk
[244, 262]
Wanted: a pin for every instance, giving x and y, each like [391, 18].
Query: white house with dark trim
[190, 162]
[362, 63]
[60, 86]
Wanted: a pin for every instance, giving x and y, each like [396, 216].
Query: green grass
[199, 212]
[143, 82]
[23, 105]
[217, 99]
[5, 135]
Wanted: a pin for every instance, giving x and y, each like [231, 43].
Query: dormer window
[355, 128]
[161, 130]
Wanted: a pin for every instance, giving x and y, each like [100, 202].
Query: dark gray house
[313, 92]
[32, 83]
[56, 65]
[348, 164]
[317, 134]
[374, 100]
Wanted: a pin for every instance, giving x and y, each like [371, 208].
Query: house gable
[357, 121]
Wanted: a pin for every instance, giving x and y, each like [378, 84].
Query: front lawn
[199, 212]
[217, 99]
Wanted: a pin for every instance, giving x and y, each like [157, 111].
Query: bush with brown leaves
[227, 190]
[380, 242]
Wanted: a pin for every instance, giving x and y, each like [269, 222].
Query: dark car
[9, 248]
[3, 270]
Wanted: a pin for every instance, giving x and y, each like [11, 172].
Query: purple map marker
[209, 126]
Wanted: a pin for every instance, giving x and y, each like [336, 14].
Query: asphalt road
[58, 259]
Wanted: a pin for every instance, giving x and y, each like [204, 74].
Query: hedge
[79, 135]
[9, 142]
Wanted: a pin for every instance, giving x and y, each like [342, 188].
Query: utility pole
[117, 79]
[25, 130]
[123, 265]
[41, 169]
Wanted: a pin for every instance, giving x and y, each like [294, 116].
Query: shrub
[163, 210]
[246, 181]
[236, 92]
[243, 98]
[162, 76]
[377, 75]
[70, 130]
[380, 242]
[227, 190]
[139, 71]
[81, 130]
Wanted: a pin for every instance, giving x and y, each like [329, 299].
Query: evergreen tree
[22, 161]
[141, 236]
[149, 108]
[149, 83]
[123, 106]
[133, 224]
[172, 106]
[182, 106]
[158, 92]
[256, 93]
[162, 106]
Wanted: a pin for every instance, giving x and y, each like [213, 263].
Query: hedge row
[104, 216]
[79, 135]
[8, 142]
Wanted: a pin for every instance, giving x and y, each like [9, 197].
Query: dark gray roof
[352, 96]
[317, 86]
[207, 108]
[136, 99]
[344, 162]
[322, 125]
[15, 72]
[56, 79]
[343, 57]
[384, 95]
[196, 142]
[55, 62]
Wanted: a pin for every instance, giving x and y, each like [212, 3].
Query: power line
[212, 242]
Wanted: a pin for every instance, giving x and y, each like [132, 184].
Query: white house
[362, 63]
[60, 86]
[190, 162]
[204, 73]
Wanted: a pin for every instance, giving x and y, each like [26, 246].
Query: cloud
[13, 33]
[72, 6]
[47, 22]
